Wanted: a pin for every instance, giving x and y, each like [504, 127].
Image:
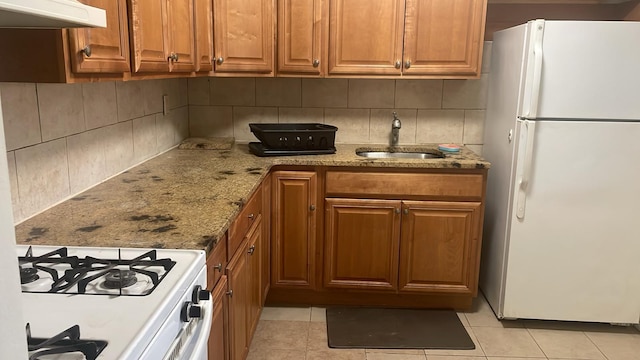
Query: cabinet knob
[397, 211]
[173, 57]
[406, 211]
[230, 293]
[252, 248]
[316, 62]
[220, 60]
[218, 267]
[251, 216]
[312, 207]
[398, 64]
[407, 64]
[86, 51]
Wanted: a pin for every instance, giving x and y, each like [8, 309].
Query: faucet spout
[396, 124]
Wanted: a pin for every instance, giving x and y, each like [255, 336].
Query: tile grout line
[596, 345]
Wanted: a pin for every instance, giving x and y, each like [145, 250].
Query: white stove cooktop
[127, 323]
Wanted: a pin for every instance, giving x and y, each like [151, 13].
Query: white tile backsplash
[144, 138]
[380, 126]
[43, 176]
[371, 93]
[89, 143]
[325, 93]
[61, 110]
[87, 164]
[440, 126]
[20, 115]
[278, 92]
[100, 106]
[243, 116]
[353, 124]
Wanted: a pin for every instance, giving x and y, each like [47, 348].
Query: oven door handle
[200, 348]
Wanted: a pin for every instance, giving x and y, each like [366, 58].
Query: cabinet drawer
[245, 219]
[404, 184]
[217, 262]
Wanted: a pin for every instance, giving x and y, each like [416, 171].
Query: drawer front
[243, 222]
[217, 262]
[340, 183]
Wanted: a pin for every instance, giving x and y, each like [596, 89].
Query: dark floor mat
[374, 328]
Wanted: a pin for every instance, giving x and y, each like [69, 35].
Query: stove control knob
[199, 294]
[190, 311]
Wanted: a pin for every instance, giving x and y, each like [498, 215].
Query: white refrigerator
[562, 223]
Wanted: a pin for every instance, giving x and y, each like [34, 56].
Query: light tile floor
[301, 334]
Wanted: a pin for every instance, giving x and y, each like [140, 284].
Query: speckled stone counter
[186, 199]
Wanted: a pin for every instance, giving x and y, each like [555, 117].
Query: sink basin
[399, 154]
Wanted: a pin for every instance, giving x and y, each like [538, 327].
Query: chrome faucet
[395, 129]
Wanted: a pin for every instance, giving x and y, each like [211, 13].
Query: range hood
[49, 14]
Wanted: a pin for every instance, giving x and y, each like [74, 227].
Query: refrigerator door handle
[526, 169]
[536, 73]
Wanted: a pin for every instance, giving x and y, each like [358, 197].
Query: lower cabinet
[218, 337]
[362, 240]
[238, 277]
[245, 291]
[293, 229]
[398, 245]
[439, 246]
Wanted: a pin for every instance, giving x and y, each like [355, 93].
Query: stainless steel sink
[399, 154]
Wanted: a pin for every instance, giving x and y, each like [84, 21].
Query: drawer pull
[218, 267]
[230, 293]
[252, 248]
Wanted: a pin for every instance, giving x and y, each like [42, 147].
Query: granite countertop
[186, 199]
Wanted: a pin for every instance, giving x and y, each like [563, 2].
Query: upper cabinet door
[243, 36]
[181, 38]
[365, 36]
[302, 25]
[204, 35]
[443, 37]
[96, 50]
[149, 36]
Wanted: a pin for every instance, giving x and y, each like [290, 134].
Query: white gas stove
[105, 303]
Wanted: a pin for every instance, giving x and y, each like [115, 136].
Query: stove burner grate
[65, 342]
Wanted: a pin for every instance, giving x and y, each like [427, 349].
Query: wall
[432, 111]
[64, 138]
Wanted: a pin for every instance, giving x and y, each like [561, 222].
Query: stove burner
[28, 275]
[119, 279]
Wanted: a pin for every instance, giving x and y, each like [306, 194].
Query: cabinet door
[218, 337]
[294, 228]
[149, 37]
[301, 27]
[439, 246]
[443, 37]
[105, 50]
[238, 277]
[265, 249]
[243, 36]
[181, 35]
[365, 36]
[204, 35]
[254, 265]
[362, 243]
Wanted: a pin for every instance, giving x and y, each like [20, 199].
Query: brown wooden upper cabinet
[102, 50]
[244, 37]
[302, 28]
[162, 35]
[439, 38]
[203, 12]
